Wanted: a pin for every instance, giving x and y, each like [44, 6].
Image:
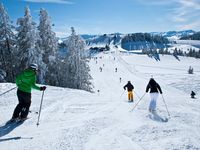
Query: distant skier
[120, 79]
[100, 68]
[115, 69]
[154, 88]
[98, 92]
[25, 82]
[130, 88]
[190, 70]
[193, 94]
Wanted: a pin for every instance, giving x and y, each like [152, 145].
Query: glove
[42, 88]
[160, 92]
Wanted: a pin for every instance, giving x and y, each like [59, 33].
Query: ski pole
[7, 91]
[136, 95]
[138, 101]
[122, 93]
[40, 108]
[165, 105]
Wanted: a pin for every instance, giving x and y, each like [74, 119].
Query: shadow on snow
[8, 127]
[154, 116]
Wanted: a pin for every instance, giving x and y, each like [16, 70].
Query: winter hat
[33, 66]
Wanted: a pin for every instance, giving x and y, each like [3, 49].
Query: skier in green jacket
[25, 82]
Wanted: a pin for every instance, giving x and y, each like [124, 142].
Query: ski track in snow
[78, 120]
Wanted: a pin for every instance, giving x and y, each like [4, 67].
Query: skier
[120, 79]
[115, 69]
[193, 94]
[25, 82]
[98, 91]
[130, 88]
[100, 68]
[190, 71]
[154, 87]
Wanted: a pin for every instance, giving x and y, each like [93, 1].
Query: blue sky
[110, 16]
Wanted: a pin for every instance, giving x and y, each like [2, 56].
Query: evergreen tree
[166, 51]
[161, 51]
[78, 69]
[7, 45]
[27, 43]
[107, 47]
[175, 51]
[48, 45]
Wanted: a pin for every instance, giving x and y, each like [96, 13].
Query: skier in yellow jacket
[130, 88]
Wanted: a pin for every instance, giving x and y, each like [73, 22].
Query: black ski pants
[22, 109]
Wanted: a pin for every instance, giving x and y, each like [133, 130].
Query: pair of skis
[19, 121]
[154, 116]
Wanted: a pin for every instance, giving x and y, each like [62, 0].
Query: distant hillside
[195, 36]
[170, 35]
[145, 41]
[139, 41]
[175, 35]
[104, 39]
[133, 41]
[87, 36]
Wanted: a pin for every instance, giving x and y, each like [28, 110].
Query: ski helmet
[34, 66]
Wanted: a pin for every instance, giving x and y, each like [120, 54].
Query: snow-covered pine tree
[26, 41]
[48, 44]
[62, 74]
[78, 69]
[27, 45]
[7, 46]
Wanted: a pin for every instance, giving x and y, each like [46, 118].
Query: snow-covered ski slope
[78, 120]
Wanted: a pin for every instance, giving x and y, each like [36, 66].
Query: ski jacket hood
[153, 86]
[26, 81]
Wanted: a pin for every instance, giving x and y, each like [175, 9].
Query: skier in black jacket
[130, 88]
[154, 88]
[192, 94]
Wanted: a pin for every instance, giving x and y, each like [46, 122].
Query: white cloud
[156, 2]
[193, 25]
[50, 1]
[190, 4]
[183, 12]
[186, 3]
[186, 13]
[179, 15]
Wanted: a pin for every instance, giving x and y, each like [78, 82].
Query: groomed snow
[78, 120]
